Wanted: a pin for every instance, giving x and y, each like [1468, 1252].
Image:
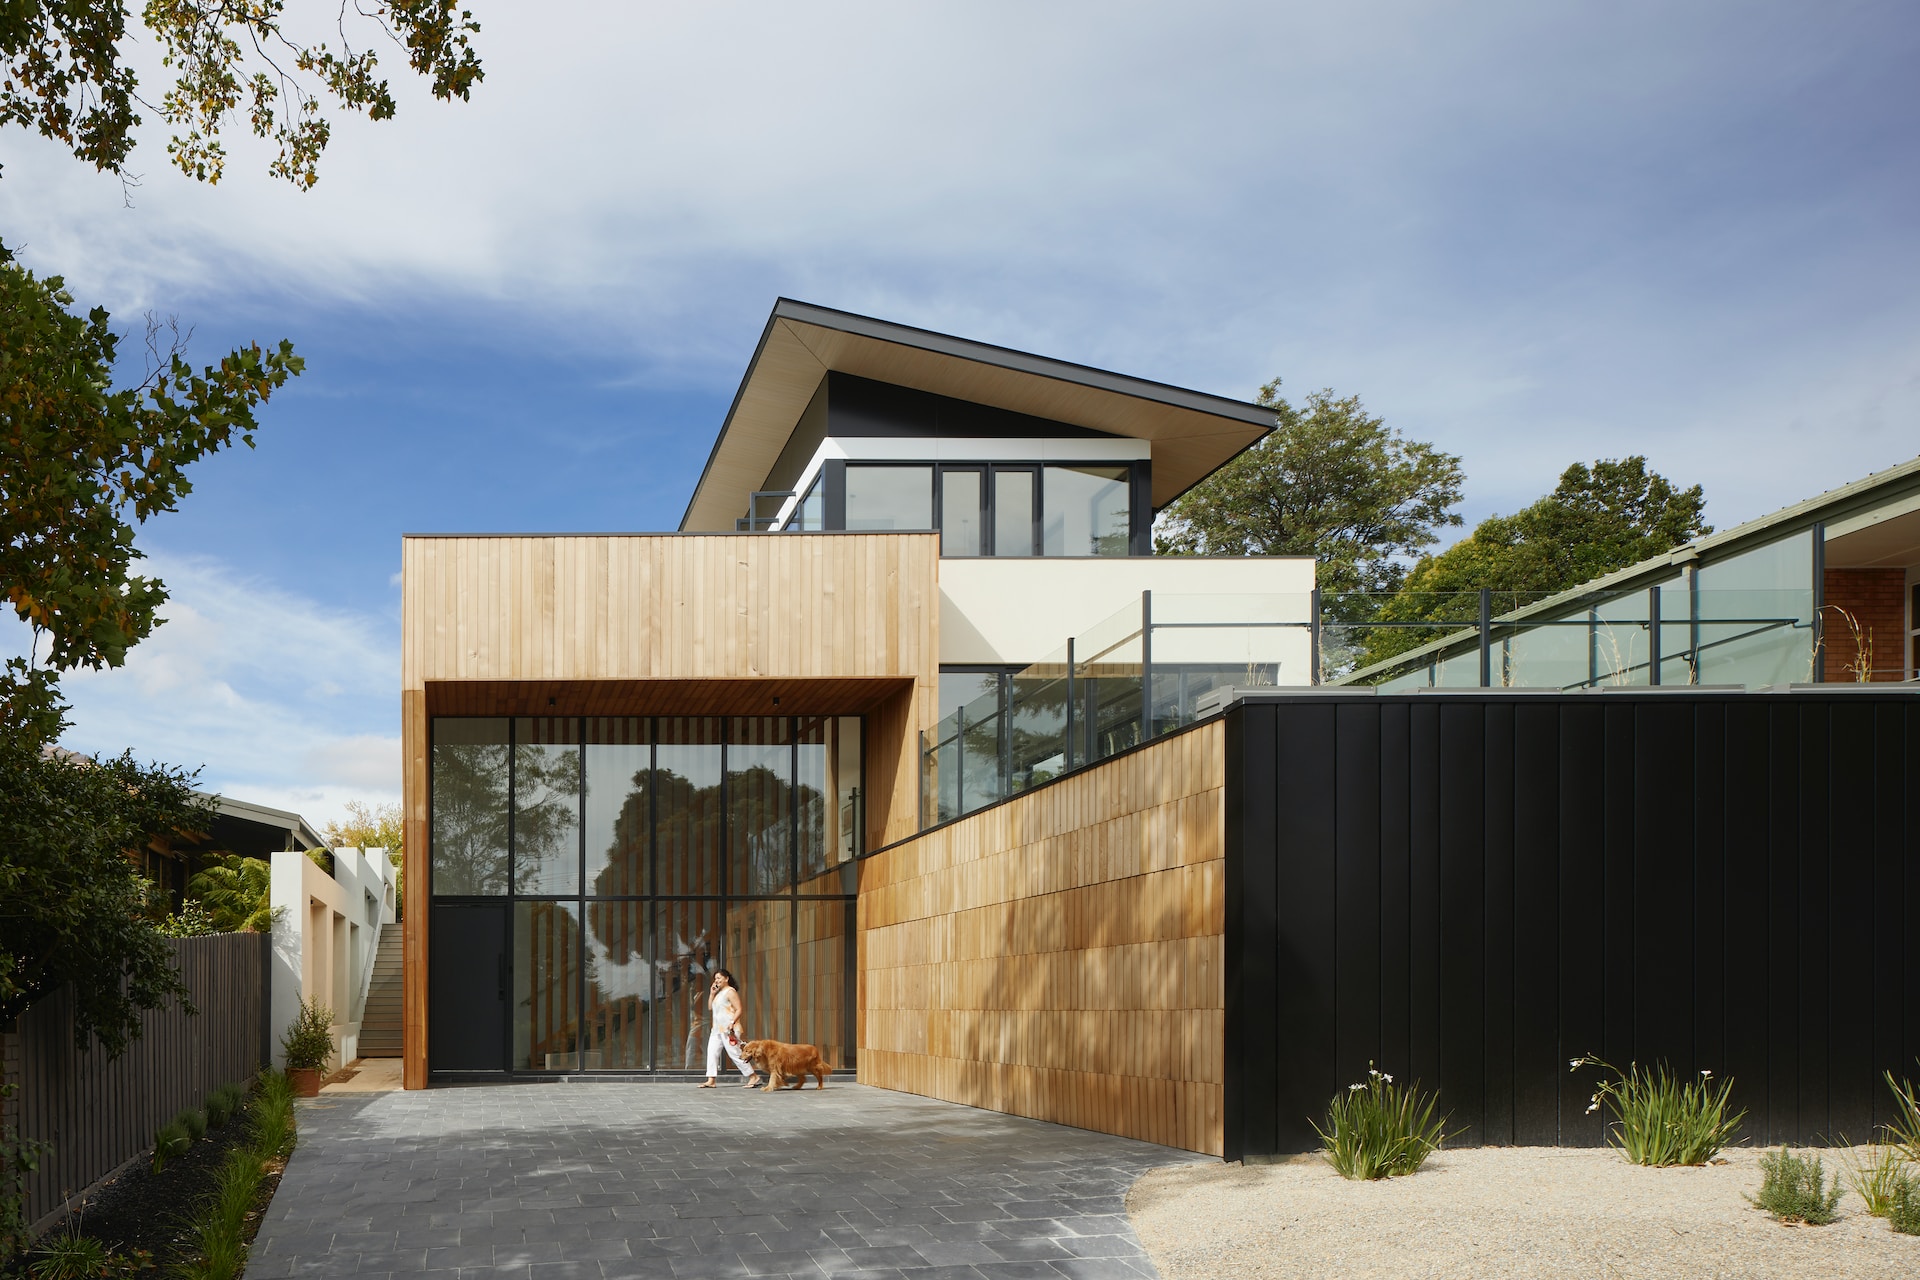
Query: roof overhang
[1192, 433]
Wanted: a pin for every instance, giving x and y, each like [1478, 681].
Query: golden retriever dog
[782, 1061]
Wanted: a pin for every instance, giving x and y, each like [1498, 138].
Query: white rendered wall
[326, 930]
[1016, 611]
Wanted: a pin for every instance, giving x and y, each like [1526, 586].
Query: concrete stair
[380, 1024]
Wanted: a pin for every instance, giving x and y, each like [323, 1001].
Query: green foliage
[1331, 482]
[223, 1102]
[1874, 1176]
[69, 1255]
[1659, 1121]
[236, 892]
[321, 858]
[169, 1140]
[1794, 1189]
[18, 1158]
[1598, 519]
[371, 826]
[1903, 1205]
[192, 921]
[194, 1121]
[71, 908]
[84, 464]
[308, 1041]
[65, 76]
[219, 1223]
[1378, 1129]
[1904, 1129]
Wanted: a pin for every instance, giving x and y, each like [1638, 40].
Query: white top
[726, 1009]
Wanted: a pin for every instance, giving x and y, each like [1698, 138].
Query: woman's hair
[723, 973]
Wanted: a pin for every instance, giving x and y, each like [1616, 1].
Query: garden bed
[1514, 1211]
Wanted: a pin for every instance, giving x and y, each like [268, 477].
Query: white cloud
[278, 700]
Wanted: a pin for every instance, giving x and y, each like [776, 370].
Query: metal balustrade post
[1070, 701]
[1653, 635]
[1313, 634]
[1693, 624]
[1486, 637]
[1146, 665]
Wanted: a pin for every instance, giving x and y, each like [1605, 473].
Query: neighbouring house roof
[253, 829]
[1193, 433]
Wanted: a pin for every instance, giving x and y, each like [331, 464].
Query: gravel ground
[1500, 1212]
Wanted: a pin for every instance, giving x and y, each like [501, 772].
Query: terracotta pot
[306, 1082]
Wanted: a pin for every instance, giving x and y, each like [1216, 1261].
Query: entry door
[467, 987]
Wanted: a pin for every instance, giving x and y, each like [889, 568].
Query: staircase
[380, 1024]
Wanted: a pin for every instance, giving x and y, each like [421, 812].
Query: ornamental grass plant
[1659, 1121]
[219, 1226]
[1876, 1176]
[1903, 1130]
[1795, 1190]
[1378, 1129]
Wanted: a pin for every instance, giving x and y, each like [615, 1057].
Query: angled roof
[1192, 432]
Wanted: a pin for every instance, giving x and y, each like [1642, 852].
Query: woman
[723, 1002]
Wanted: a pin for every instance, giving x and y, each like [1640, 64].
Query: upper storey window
[995, 509]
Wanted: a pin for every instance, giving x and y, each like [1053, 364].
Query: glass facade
[1088, 511]
[638, 854]
[989, 509]
[889, 497]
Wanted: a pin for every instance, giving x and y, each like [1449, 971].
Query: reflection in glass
[1012, 513]
[684, 958]
[759, 765]
[890, 497]
[759, 950]
[469, 848]
[617, 1031]
[809, 514]
[619, 765]
[1087, 511]
[826, 796]
[824, 962]
[546, 808]
[687, 806]
[546, 985]
[960, 522]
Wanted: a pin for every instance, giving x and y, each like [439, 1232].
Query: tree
[72, 909]
[1331, 482]
[1598, 519]
[66, 77]
[375, 826]
[236, 892]
[83, 464]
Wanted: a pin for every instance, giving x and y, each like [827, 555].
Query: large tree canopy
[1330, 481]
[83, 465]
[66, 75]
[1598, 519]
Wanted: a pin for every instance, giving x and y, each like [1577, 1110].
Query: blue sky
[1529, 233]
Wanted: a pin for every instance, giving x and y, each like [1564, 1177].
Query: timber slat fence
[98, 1114]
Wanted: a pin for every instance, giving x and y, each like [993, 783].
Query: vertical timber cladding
[1059, 954]
[574, 610]
[1473, 889]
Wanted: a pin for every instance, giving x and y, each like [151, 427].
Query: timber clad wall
[1474, 889]
[841, 623]
[98, 1114]
[1059, 955]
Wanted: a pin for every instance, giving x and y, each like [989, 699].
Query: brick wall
[1876, 599]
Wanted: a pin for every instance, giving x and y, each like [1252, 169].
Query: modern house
[908, 728]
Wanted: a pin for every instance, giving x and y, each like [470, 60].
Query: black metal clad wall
[98, 1113]
[1474, 889]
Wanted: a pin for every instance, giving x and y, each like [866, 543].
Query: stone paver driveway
[557, 1181]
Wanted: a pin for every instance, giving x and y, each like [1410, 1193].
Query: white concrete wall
[1012, 611]
[325, 932]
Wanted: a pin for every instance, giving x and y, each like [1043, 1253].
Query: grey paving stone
[623, 1181]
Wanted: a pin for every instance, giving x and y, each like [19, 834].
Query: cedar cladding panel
[1059, 955]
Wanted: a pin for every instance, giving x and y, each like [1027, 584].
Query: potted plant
[308, 1044]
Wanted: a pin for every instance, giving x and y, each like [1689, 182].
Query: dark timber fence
[1475, 888]
[97, 1114]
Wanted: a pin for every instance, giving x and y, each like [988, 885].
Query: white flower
[1706, 1073]
[1386, 1077]
[1355, 1088]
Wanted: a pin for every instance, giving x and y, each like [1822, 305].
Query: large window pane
[1088, 511]
[960, 522]
[825, 964]
[469, 852]
[1013, 513]
[687, 806]
[546, 806]
[685, 954]
[619, 776]
[759, 786]
[889, 497]
[617, 1029]
[827, 798]
[1756, 615]
[546, 986]
[759, 951]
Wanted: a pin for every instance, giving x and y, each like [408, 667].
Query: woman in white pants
[723, 1002]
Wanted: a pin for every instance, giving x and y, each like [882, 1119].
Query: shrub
[1903, 1207]
[1659, 1121]
[222, 1103]
[1377, 1129]
[172, 1139]
[194, 1121]
[1793, 1189]
[1904, 1130]
[72, 1256]
[1874, 1176]
[309, 1040]
[218, 1228]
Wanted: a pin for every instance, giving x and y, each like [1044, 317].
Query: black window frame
[833, 481]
